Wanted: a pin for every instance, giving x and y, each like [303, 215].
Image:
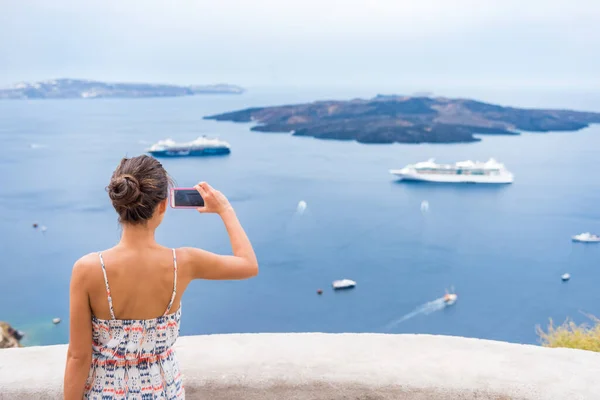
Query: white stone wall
[341, 366]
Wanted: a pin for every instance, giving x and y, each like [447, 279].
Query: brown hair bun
[136, 187]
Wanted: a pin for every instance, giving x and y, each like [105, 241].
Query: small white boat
[450, 298]
[343, 284]
[56, 321]
[301, 207]
[586, 238]
[565, 277]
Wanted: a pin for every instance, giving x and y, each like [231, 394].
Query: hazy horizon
[427, 44]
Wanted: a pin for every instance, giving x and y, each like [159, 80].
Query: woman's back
[134, 357]
[141, 280]
[125, 301]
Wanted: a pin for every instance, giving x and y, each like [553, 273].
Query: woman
[125, 301]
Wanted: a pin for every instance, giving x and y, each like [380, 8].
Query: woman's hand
[214, 201]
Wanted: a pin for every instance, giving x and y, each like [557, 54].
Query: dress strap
[110, 304]
[174, 283]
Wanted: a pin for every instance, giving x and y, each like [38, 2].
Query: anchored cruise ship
[202, 146]
[461, 172]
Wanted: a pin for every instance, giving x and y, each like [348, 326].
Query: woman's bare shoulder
[87, 264]
[185, 254]
[187, 257]
[87, 260]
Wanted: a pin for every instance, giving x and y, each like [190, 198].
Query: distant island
[85, 89]
[407, 119]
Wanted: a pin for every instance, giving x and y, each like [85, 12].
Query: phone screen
[187, 198]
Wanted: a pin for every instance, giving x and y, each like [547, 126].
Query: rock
[9, 337]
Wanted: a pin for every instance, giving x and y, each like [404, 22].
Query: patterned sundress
[134, 359]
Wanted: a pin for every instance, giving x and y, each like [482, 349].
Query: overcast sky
[537, 43]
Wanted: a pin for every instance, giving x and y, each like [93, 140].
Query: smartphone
[186, 198]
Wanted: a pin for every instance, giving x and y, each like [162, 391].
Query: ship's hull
[452, 178]
[195, 152]
[343, 287]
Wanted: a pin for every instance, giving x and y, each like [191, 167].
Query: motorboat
[450, 298]
[343, 284]
[586, 238]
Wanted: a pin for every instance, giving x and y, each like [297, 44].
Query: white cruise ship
[202, 146]
[469, 171]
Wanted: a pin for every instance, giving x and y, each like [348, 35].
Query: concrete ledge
[341, 366]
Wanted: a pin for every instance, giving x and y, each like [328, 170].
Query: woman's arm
[206, 265]
[79, 355]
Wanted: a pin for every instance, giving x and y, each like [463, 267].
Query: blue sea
[502, 248]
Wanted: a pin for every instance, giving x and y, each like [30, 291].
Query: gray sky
[493, 43]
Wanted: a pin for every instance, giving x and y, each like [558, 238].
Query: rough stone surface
[316, 366]
[7, 338]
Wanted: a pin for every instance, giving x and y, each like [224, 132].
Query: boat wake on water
[423, 309]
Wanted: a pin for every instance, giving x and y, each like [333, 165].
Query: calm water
[503, 248]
